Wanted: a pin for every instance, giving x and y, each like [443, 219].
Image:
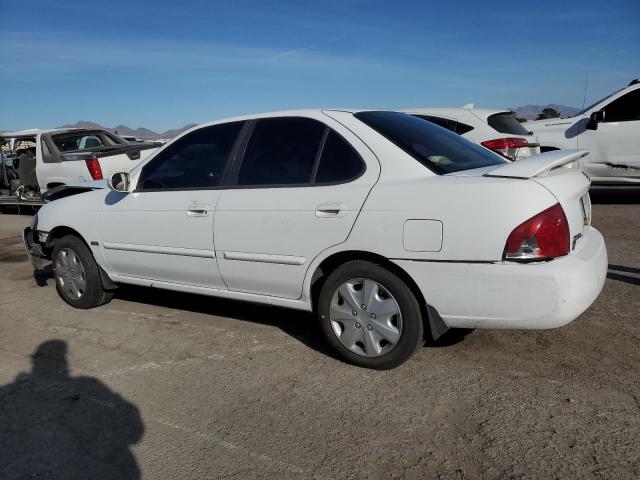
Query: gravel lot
[171, 386]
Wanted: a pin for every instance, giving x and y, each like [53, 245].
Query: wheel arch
[61, 231]
[433, 325]
[58, 232]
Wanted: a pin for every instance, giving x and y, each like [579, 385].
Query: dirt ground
[171, 386]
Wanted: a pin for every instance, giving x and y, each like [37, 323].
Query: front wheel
[76, 274]
[370, 316]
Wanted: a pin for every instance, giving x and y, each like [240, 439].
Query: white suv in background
[497, 130]
[609, 129]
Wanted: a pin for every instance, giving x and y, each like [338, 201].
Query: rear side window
[339, 162]
[197, 160]
[624, 109]
[47, 156]
[281, 151]
[506, 123]
[448, 123]
[436, 148]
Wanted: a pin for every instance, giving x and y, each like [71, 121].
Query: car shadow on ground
[300, 325]
[615, 195]
[57, 426]
[629, 275]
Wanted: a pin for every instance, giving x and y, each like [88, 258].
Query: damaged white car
[391, 228]
[34, 162]
[609, 129]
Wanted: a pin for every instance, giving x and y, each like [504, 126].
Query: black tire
[411, 335]
[93, 294]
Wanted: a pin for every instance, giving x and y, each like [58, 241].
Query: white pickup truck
[34, 162]
[609, 129]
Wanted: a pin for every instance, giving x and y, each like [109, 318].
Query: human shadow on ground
[56, 426]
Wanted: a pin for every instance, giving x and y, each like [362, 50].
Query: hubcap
[365, 317]
[70, 274]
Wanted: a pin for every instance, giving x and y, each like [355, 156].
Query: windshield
[585, 110]
[438, 149]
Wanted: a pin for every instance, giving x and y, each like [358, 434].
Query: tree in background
[548, 113]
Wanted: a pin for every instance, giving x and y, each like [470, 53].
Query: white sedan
[391, 228]
[497, 130]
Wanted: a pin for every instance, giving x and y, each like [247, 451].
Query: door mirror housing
[594, 119]
[120, 182]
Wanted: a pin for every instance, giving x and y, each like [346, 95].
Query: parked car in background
[36, 161]
[609, 129]
[497, 130]
[131, 138]
[386, 225]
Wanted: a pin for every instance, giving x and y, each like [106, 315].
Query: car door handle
[330, 210]
[198, 210]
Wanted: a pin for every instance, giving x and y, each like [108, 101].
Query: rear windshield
[435, 147]
[506, 123]
[71, 142]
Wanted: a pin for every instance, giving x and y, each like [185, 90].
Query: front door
[617, 139]
[163, 231]
[300, 186]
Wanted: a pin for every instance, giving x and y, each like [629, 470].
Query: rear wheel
[370, 316]
[76, 274]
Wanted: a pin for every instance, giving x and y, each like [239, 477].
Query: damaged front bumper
[34, 249]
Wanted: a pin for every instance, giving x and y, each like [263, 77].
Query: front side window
[624, 109]
[197, 160]
[281, 151]
[436, 148]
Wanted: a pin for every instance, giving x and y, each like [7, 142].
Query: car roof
[36, 131]
[482, 113]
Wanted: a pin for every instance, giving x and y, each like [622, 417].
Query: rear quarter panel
[477, 215]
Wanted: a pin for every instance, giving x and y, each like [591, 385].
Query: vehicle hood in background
[64, 191]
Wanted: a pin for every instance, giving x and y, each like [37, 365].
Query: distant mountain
[530, 112]
[141, 132]
[176, 131]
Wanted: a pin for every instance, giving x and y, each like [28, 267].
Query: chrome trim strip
[264, 258]
[185, 252]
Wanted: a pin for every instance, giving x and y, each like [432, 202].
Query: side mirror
[594, 119]
[119, 182]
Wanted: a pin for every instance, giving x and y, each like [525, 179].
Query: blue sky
[162, 64]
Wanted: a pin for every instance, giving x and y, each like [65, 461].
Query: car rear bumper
[513, 295]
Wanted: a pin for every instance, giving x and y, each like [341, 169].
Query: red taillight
[542, 237]
[507, 147]
[94, 168]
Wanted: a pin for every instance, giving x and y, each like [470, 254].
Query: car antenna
[586, 84]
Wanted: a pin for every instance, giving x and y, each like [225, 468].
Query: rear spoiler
[537, 165]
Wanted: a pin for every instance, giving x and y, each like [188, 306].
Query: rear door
[300, 186]
[164, 230]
